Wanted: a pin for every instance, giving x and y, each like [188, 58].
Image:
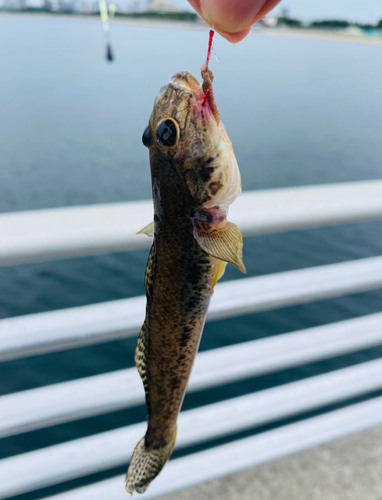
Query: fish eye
[147, 137]
[167, 133]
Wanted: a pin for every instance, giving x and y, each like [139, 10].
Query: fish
[195, 177]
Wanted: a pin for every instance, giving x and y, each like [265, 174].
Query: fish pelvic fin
[148, 230]
[225, 244]
[219, 271]
[146, 464]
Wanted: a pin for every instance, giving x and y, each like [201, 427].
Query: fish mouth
[186, 81]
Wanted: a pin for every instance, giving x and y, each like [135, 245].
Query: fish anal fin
[148, 230]
[224, 243]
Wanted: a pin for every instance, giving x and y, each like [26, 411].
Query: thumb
[232, 19]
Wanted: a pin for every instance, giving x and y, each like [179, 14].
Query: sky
[364, 11]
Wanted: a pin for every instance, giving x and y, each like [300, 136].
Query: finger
[232, 19]
[234, 37]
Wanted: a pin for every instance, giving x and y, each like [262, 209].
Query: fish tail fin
[146, 464]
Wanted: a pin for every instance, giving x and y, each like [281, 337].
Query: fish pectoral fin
[225, 244]
[149, 230]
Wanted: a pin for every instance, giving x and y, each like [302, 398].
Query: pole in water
[106, 28]
[109, 52]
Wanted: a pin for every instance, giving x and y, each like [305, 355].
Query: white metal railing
[108, 449]
[59, 233]
[57, 403]
[78, 326]
[244, 453]
[75, 231]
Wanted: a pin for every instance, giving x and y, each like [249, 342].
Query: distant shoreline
[319, 34]
[302, 33]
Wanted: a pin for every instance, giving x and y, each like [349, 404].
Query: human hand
[232, 18]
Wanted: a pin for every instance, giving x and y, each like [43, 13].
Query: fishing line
[210, 49]
[204, 67]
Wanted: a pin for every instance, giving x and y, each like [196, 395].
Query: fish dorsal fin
[225, 244]
[149, 230]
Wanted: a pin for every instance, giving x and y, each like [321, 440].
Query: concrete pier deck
[346, 469]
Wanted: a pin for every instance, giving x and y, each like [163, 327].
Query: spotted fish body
[194, 179]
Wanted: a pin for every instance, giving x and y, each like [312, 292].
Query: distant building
[66, 6]
[22, 4]
[285, 12]
[84, 6]
[353, 30]
[134, 6]
[12, 4]
[268, 22]
[161, 6]
[34, 4]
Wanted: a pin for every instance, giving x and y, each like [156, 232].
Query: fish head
[185, 128]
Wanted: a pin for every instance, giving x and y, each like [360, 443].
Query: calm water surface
[298, 112]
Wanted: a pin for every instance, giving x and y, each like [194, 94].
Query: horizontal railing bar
[242, 454]
[75, 231]
[28, 410]
[109, 449]
[57, 330]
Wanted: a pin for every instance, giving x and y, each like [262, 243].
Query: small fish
[195, 177]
